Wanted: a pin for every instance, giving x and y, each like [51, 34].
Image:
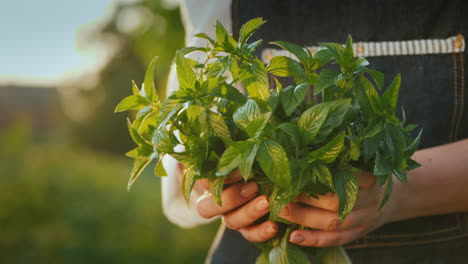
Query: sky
[38, 39]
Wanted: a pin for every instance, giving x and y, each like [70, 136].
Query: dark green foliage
[278, 138]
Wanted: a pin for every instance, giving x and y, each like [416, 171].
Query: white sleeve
[198, 16]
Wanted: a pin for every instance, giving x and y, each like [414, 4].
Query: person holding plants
[426, 219]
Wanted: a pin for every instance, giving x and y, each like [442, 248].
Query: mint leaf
[246, 114]
[377, 76]
[390, 96]
[219, 127]
[223, 38]
[205, 36]
[255, 79]
[372, 95]
[159, 169]
[139, 165]
[284, 66]
[216, 188]
[188, 180]
[292, 96]
[329, 152]
[387, 192]
[185, 73]
[347, 188]
[229, 160]
[296, 50]
[336, 115]
[132, 102]
[310, 122]
[148, 84]
[247, 160]
[335, 255]
[274, 163]
[287, 253]
[249, 28]
[321, 173]
[326, 79]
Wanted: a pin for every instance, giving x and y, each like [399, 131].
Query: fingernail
[262, 205]
[249, 189]
[272, 229]
[296, 239]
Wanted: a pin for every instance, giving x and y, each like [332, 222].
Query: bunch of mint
[275, 136]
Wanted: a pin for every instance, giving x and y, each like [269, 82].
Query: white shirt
[198, 16]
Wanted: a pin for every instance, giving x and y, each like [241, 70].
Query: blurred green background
[63, 180]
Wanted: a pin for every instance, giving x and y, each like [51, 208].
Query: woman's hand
[322, 214]
[241, 208]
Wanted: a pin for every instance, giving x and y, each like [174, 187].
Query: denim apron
[433, 95]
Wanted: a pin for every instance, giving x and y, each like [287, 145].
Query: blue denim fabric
[433, 94]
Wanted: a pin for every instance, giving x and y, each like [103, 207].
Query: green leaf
[256, 126]
[401, 175]
[274, 163]
[390, 96]
[229, 160]
[150, 90]
[292, 130]
[255, 79]
[137, 138]
[326, 79]
[310, 122]
[188, 180]
[387, 192]
[323, 57]
[335, 255]
[216, 188]
[284, 66]
[296, 50]
[278, 200]
[132, 102]
[159, 169]
[223, 38]
[249, 28]
[287, 253]
[347, 188]
[372, 95]
[246, 114]
[321, 173]
[139, 165]
[230, 93]
[377, 76]
[329, 152]
[292, 96]
[382, 166]
[246, 162]
[218, 125]
[185, 73]
[187, 50]
[205, 36]
[162, 141]
[336, 115]
[409, 151]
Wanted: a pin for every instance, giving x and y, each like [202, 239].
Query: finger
[233, 177]
[232, 197]
[260, 233]
[315, 238]
[247, 214]
[322, 219]
[328, 201]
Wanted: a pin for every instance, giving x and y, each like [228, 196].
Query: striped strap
[453, 44]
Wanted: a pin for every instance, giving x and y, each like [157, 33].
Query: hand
[322, 214]
[241, 208]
